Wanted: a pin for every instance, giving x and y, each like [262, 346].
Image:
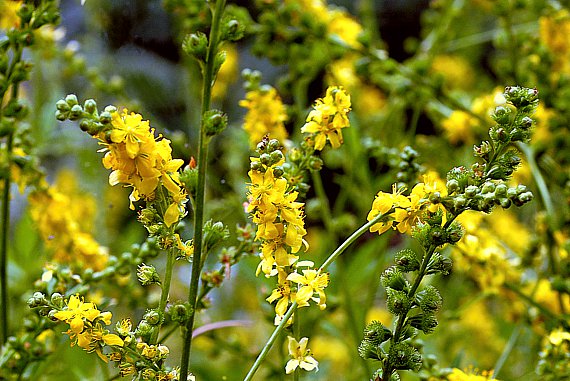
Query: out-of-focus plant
[293, 161]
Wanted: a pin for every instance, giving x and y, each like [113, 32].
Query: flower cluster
[266, 114]
[86, 326]
[404, 212]
[553, 363]
[280, 228]
[136, 156]
[64, 218]
[328, 118]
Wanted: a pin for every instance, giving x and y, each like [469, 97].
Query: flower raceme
[86, 326]
[404, 212]
[142, 160]
[328, 117]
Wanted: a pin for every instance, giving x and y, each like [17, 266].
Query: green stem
[171, 257]
[353, 237]
[201, 186]
[4, 300]
[507, 351]
[327, 219]
[538, 178]
[4, 248]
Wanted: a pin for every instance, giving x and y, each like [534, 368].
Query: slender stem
[353, 237]
[270, 342]
[508, 349]
[4, 300]
[4, 248]
[327, 220]
[171, 256]
[538, 178]
[201, 186]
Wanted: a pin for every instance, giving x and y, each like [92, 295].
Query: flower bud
[452, 185]
[214, 122]
[152, 317]
[407, 260]
[276, 156]
[376, 333]
[147, 275]
[393, 278]
[105, 117]
[501, 115]
[265, 159]
[424, 322]
[90, 106]
[57, 299]
[404, 357]
[367, 350]
[429, 299]
[71, 100]
[471, 191]
[179, 312]
[124, 327]
[397, 301]
[278, 172]
[488, 187]
[75, 112]
[214, 233]
[526, 122]
[196, 44]
[273, 145]
[62, 105]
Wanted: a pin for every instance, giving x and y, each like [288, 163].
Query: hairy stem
[201, 186]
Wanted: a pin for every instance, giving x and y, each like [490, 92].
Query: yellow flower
[9, 14]
[558, 336]
[383, 202]
[459, 375]
[76, 311]
[300, 356]
[266, 115]
[554, 31]
[311, 282]
[341, 24]
[282, 294]
[455, 70]
[329, 116]
[131, 130]
[459, 127]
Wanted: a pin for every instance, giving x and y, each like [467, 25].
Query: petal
[112, 339]
[171, 215]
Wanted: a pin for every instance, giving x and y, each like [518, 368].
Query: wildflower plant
[298, 226]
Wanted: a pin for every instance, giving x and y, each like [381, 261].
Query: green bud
[261, 146]
[71, 100]
[75, 112]
[471, 191]
[219, 60]
[214, 233]
[452, 186]
[429, 299]
[454, 233]
[501, 190]
[62, 105]
[196, 44]
[407, 260]
[189, 177]
[273, 145]
[501, 115]
[51, 315]
[110, 109]
[233, 31]
[147, 275]
[439, 264]
[278, 172]
[105, 117]
[90, 106]
[488, 187]
[16, 108]
[376, 333]
[144, 329]
[526, 122]
[179, 312]
[256, 166]
[505, 203]
[215, 122]
[265, 159]
[397, 301]
[523, 198]
[295, 155]
[367, 350]
[25, 13]
[424, 322]
[393, 278]
[403, 356]
[57, 299]
[276, 156]
[152, 317]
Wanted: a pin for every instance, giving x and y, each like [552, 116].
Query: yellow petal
[172, 214]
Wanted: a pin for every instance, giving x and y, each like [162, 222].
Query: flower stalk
[339, 250]
[208, 78]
